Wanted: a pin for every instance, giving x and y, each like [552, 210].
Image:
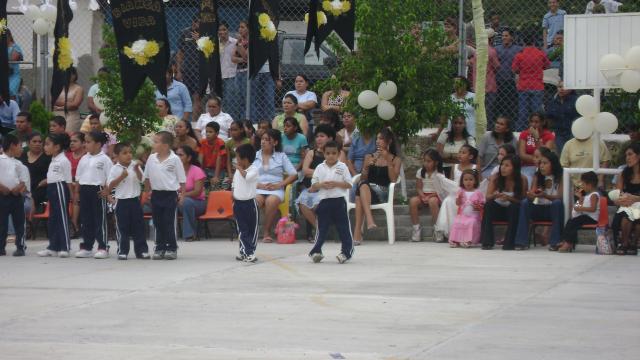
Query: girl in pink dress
[465, 230]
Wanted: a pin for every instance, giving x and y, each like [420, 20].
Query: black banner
[60, 78]
[342, 20]
[210, 72]
[141, 20]
[264, 16]
[4, 56]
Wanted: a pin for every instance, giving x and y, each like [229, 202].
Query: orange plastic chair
[219, 208]
[36, 218]
[603, 219]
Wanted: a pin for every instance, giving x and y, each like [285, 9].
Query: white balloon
[104, 119]
[632, 58]
[386, 110]
[33, 12]
[611, 65]
[40, 26]
[582, 128]
[630, 81]
[368, 99]
[49, 12]
[606, 123]
[586, 106]
[97, 101]
[387, 90]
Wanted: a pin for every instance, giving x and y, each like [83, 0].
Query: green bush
[40, 117]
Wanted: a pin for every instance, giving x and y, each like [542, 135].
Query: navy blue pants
[12, 205]
[93, 217]
[58, 224]
[246, 214]
[164, 205]
[333, 211]
[130, 223]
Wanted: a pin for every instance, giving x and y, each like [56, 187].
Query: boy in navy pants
[332, 180]
[11, 198]
[245, 209]
[165, 177]
[125, 178]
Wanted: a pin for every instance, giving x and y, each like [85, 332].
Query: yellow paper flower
[322, 18]
[3, 26]
[268, 30]
[141, 51]
[263, 19]
[206, 46]
[65, 59]
[336, 7]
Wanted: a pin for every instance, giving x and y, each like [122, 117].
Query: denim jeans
[240, 97]
[528, 101]
[263, 104]
[191, 208]
[230, 98]
[532, 212]
[27, 212]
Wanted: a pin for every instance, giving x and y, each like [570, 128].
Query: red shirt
[74, 163]
[529, 64]
[530, 143]
[210, 154]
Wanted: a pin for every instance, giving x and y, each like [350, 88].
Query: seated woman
[332, 100]
[332, 118]
[308, 200]
[489, 145]
[193, 202]
[535, 136]
[625, 224]
[290, 109]
[504, 194]
[294, 143]
[348, 132]
[363, 145]
[380, 169]
[185, 136]
[168, 119]
[450, 141]
[307, 100]
[543, 202]
[272, 164]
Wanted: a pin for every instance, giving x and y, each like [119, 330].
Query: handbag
[604, 244]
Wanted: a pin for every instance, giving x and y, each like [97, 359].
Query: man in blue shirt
[8, 114]
[562, 112]
[552, 22]
[507, 98]
[178, 96]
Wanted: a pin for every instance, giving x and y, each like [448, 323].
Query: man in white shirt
[610, 6]
[228, 67]
[214, 113]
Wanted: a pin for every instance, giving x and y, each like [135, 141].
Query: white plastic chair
[386, 207]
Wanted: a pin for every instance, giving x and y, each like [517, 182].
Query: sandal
[454, 245]
[631, 251]
[554, 247]
[267, 239]
[621, 250]
[565, 247]
[520, 247]
[465, 245]
[357, 242]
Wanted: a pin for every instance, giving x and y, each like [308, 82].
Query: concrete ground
[404, 301]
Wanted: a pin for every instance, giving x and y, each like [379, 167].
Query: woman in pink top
[193, 202]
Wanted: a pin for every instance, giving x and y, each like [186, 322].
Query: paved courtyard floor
[405, 301]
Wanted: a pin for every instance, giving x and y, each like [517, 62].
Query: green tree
[387, 49]
[129, 120]
[40, 117]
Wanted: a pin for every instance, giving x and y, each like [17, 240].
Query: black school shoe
[19, 252]
[3, 252]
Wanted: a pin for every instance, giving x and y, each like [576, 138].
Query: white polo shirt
[166, 175]
[94, 169]
[337, 172]
[23, 174]
[244, 188]
[59, 169]
[128, 188]
[306, 96]
[223, 119]
[10, 176]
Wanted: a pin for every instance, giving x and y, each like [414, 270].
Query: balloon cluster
[43, 17]
[369, 99]
[592, 120]
[623, 71]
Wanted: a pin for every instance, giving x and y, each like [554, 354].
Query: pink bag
[286, 231]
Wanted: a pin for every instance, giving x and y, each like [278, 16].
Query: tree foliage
[40, 117]
[129, 120]
[388, 50]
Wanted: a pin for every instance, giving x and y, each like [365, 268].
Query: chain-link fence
[23, 59]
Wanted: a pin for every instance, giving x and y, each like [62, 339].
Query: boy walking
[165, 178]
[125, 178]
[12, 188]
[332, 180]
[245, 209]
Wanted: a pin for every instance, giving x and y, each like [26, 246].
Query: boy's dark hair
[165, 137]
[121, 146]
[213, 125]
[246, 151]
[325, 129]
[331, 144]
[9, 140]
[61, 140]
[590, 178]
[60, 121]
[98, 136]
[26, 115]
